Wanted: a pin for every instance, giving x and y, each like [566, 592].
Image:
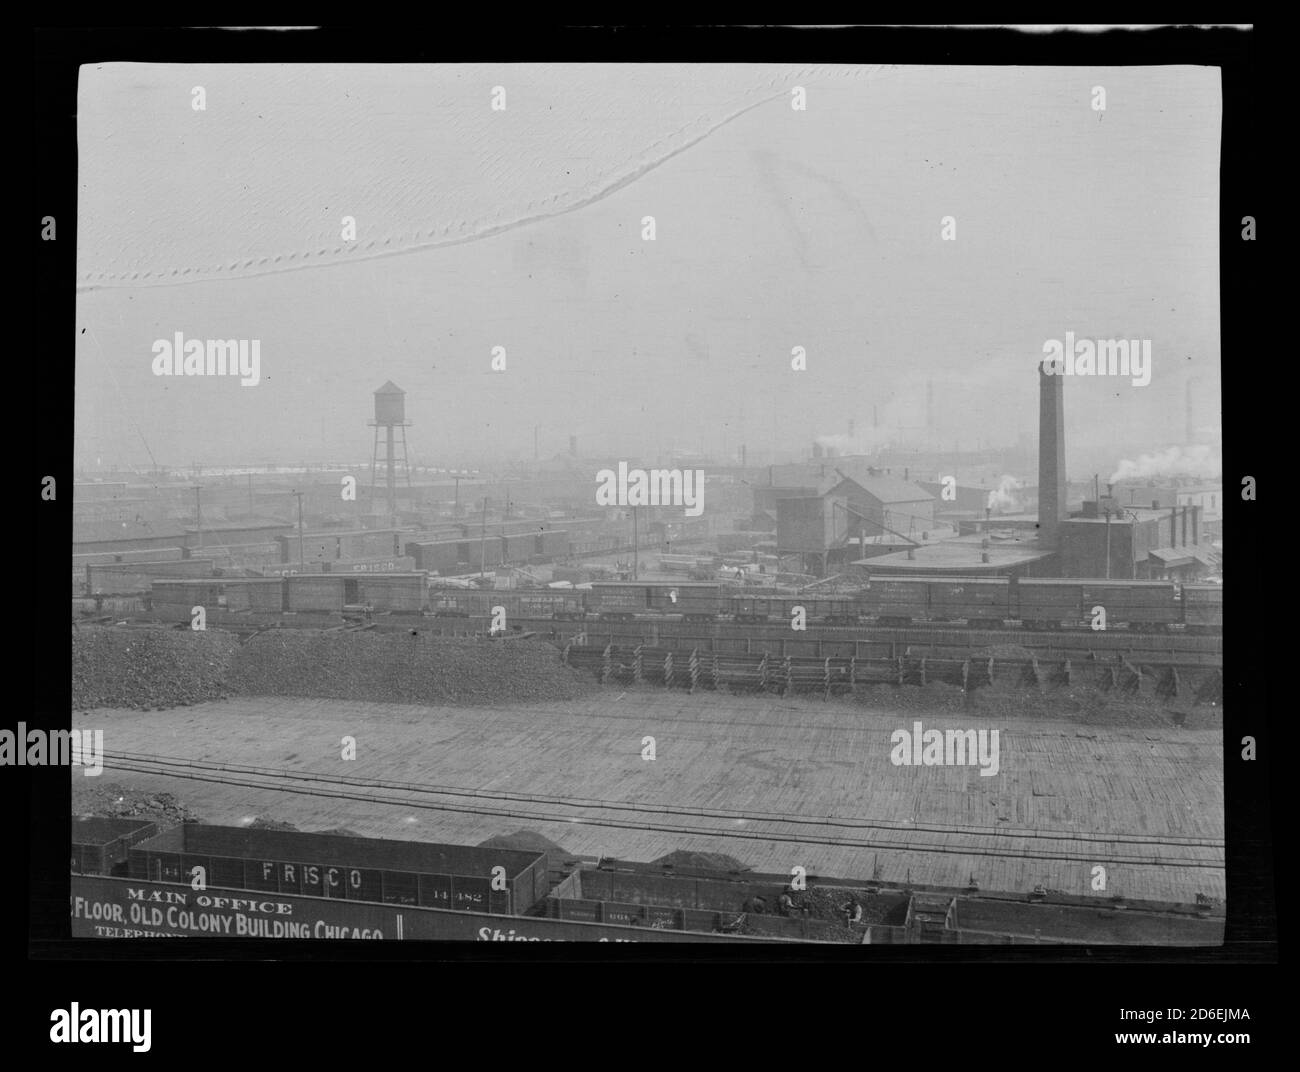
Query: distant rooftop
[962, 553]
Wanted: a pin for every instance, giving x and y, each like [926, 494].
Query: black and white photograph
[769, 503]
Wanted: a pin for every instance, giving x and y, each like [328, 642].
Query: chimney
[1051, 455]
[1173, 526]
[905, 471]
[1185, 526]
[1196, 528]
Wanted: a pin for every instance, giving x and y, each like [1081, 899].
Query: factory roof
[965, 553]
[1184, 555]
[115, 531]
[240, 526]
[825, 475]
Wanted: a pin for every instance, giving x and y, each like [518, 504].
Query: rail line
[934, 837]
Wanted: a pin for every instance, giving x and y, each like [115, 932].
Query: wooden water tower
[390, 413]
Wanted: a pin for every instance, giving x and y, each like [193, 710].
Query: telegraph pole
[302, 565]
[198, 507]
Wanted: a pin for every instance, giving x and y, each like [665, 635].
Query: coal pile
[114, 801]
[402, 668]
[272, 824]
[711, 861]
[149, 668]
[157, 669]
[528, 840]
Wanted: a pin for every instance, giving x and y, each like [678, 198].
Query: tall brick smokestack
[1051, 455]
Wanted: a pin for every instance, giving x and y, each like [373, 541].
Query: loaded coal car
[102, 846]
[624, 601]
[977, 600]
[1143, 606]
[1203, 608]
[344, 868]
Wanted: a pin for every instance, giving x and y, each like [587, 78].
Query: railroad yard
[484, 738]
[860, 699]
[1141, 802]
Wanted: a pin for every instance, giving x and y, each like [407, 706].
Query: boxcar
[1141, 605]
[562, 604]
[979, 600]
[754, 608]
[897, 600]
[624, 600]
[458, 602]
[1203, 608]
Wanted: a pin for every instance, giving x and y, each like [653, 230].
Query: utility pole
[198, 507]
[482, 547]
[302, 565]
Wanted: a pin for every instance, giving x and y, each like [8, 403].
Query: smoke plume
[1201, 462]
[1003, 498]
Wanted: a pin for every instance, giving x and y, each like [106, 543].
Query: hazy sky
[775, 228]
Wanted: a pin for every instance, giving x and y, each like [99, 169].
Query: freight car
[560, 604]
[1142, 606]
[1203, 608]
[344, 868]
[888, 602]
[624, 601]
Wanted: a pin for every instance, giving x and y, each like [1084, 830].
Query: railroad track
[839, 831]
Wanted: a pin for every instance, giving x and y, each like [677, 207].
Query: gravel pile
[401, 668]
[149, 668]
